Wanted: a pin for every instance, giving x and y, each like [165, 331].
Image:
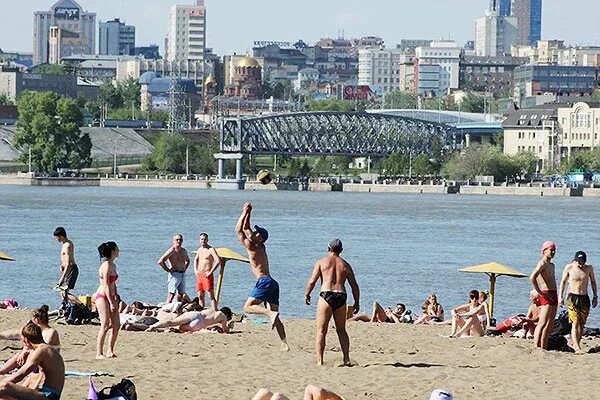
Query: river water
[402, 247]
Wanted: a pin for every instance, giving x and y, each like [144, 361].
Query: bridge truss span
[334, 133]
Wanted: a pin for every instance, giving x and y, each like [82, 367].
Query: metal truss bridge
[335, 134]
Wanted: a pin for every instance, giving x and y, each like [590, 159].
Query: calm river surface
[402, 247]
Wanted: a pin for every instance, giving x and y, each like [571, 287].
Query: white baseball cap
[441, 394]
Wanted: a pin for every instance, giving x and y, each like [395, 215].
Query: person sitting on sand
[397, 315]
[310, 393]
[533, 315]
[39, 317]
[432, 311]
[193, 321]
[483, 313]
[43, 358]
[465, 321]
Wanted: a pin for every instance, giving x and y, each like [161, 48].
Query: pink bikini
[111, 279]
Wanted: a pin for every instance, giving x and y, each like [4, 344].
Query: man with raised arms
[543, 281]
[43, 358]
[333, 271]
[205, 263]
[578, 275]
[179, 262]
[266, 289]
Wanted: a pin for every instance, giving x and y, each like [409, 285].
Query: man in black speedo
[333, 271]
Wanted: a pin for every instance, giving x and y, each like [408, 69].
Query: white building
[495, 34]
[186, 40]
[380, 68]
[446, 55]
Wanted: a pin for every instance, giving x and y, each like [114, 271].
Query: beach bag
[77, 314]
[124, 390]
[562, 326]
[559, 343]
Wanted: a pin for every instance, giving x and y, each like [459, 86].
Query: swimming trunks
[578, 306]
[49, 393]
[204, 283]
[71, 276]
[334, 299]
[176, 282]
[267, 290]
[198, 322]
[551, 300]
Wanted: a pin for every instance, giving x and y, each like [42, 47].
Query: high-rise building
[437, 68]
[379, 68]
[504, 8]
[115, 38]
[495, 34]
[186, 40]
[529, 14]
[73, 31]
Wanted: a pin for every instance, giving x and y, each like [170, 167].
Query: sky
[233, 25]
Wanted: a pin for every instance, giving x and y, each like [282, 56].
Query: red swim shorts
[550, 298]
[205, 284]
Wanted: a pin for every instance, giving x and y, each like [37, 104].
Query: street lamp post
[115, 158]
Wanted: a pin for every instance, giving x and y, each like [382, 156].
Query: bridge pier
[231, 184]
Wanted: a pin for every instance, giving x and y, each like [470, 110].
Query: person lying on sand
[193, 321]
[136, 323]
[310, 393]
[465, 318]
[432, 311]
[397, 315]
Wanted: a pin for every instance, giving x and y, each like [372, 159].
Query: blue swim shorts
[267, 290]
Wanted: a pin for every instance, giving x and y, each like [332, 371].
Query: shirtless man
[333, 271]
[205, 263]
[543, 281]
[578, 275]
[193, 321]
[179, 261]
[266, 289]
[43, 358]
[68, 267]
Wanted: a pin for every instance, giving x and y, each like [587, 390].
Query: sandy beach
[393, 361]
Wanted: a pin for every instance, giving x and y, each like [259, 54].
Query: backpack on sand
[124, 390]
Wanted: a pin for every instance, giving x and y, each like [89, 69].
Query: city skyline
[229, 32]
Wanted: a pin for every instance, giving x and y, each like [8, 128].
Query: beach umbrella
[226, 254]
[5, 257]
[493, 270]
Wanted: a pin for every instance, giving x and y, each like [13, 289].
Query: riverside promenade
[317, 185]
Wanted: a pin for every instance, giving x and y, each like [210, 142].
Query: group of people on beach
[182, 314]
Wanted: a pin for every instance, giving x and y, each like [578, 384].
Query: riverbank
[146, 181]
[393, 361]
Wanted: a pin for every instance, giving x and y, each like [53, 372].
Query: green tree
[130, 90]
[51, 69]
[422, 165]
[49, 125]
[4, 100]
[396, 164]
[169, 155]
[332, 105]
[400, 100]
[481, 160]
[472, 103]
[110, 95]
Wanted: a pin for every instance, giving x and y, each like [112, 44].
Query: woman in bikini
[107, 302]
[432, 311]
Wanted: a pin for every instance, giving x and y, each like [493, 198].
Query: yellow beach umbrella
[226, 254]
[5, 257]
[493, 270]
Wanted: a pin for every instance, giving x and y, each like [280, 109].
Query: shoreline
[389, 359]
[421, 188]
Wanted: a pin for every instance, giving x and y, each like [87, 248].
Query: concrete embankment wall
[14, 180]
[155, 183]
[520, 191]
[381, 188]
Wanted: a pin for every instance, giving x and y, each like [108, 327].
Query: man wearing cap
[543, 281]
[578, 275]
[333, 271]
[266, 289]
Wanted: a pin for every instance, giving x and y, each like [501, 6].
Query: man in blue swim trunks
[266, 289]
[44, 358]
[333, 271]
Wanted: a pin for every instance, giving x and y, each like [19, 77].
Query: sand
[393, 361]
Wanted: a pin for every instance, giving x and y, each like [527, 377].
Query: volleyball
[264, 177]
